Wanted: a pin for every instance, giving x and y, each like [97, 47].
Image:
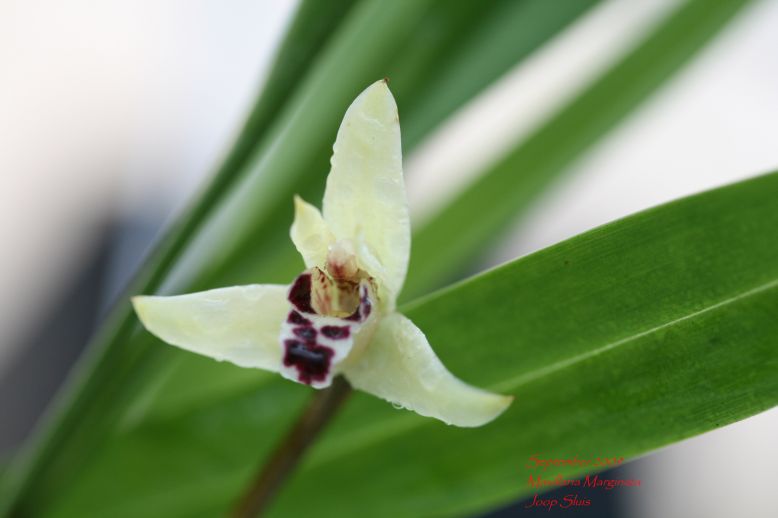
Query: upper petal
[400, 366]
[309, 233]
[365, 199]
[240, 324]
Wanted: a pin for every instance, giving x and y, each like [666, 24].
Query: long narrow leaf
[498, 196]
[637, 334]
[311, 27]
[297, 160]
[473, 57]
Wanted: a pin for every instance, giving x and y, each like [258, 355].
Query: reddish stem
[289, 452]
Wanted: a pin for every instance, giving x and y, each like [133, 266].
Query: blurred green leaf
[483, 41]
[502, 192]
[634, 335]
[310, 29]
[416, 54]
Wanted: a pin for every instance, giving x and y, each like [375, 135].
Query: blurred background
[113, 113]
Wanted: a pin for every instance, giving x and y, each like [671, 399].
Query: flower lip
[315, 344]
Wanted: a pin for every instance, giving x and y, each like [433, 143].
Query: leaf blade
[695, 355]
[645, 299]
[502, 192]
[309, 30]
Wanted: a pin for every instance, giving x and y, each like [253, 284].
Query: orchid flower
[338, 316]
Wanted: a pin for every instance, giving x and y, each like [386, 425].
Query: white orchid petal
[400, 366]
[365, 199]
[309, 233]
[240, 324]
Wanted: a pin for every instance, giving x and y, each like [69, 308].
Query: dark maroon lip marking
[300, 293]
[297, 318]
[336, 332]
[312, 361]
[306, 333]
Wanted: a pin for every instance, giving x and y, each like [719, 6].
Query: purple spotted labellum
[311, 341]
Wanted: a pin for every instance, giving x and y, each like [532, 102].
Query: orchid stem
[272, 475]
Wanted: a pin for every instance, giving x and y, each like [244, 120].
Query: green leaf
[621, 340]
[315, 76]
[310, 30]
[311, 27]
[437, 82]
[502, 192]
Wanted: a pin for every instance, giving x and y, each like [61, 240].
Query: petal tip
[377, 102]
[299, 206]
[142, 304]
[504, 402]
[138, 304]
[302, 207]
[494, 405]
